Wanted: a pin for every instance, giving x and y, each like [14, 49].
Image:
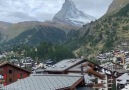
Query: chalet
[10, 73]
[94, 75]
[104, 78]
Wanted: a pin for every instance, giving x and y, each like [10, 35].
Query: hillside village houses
[78, 73]
[117, 56]
[87, 73]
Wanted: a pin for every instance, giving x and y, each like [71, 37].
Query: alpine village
[72, 51]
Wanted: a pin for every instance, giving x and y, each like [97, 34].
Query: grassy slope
[16, 29]
[38, 34]
[106, 34]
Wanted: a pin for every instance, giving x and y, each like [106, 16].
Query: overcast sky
[41, 10]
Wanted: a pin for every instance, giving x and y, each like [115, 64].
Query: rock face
[69, 14]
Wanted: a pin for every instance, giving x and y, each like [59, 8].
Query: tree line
[44, 51]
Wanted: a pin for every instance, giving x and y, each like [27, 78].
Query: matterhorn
[70, 15]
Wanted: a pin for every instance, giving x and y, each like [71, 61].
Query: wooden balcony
[91, 71]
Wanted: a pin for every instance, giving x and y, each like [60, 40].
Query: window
[10, 71]
[109, 89]
[21, 75]
[1, 69]
[1, 76]
[10, 79]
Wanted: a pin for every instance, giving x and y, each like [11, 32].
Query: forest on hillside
[43, 51]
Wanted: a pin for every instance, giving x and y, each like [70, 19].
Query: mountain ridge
[38, 34]
[11, 30]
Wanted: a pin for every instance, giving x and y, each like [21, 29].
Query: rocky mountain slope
[70, 15]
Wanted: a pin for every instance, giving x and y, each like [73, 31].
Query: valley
[65, 47]
[95, 36]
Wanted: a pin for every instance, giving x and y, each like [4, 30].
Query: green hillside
[16, 29]
[39, 34]
[111, 32]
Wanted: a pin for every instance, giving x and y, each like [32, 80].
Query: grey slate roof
[43, 82]
[88, 79]
[125, 76]
[78, 68]
[64, 64]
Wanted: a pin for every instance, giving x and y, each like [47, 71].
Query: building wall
[108, 82]
[104, 81]
[11, 74]
[2, 77]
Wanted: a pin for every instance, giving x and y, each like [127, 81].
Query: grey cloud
[95, 8]
[20, 15]
[42, 10]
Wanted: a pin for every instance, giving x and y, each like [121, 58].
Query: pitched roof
[7, 63]
[64, 65]
[45, 82]
[78, 68]
[125, 76]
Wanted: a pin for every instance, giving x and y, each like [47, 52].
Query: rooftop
[46, 82]
[7, 63]
[78, 68]
[64, 65]
[125, 76]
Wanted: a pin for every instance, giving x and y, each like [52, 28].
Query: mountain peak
[70, 15]
[69, 1]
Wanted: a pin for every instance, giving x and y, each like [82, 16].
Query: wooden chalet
[11, 73]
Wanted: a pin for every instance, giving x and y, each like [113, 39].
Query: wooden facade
[11, 73]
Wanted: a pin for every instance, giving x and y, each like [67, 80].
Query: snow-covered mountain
[69, 14]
